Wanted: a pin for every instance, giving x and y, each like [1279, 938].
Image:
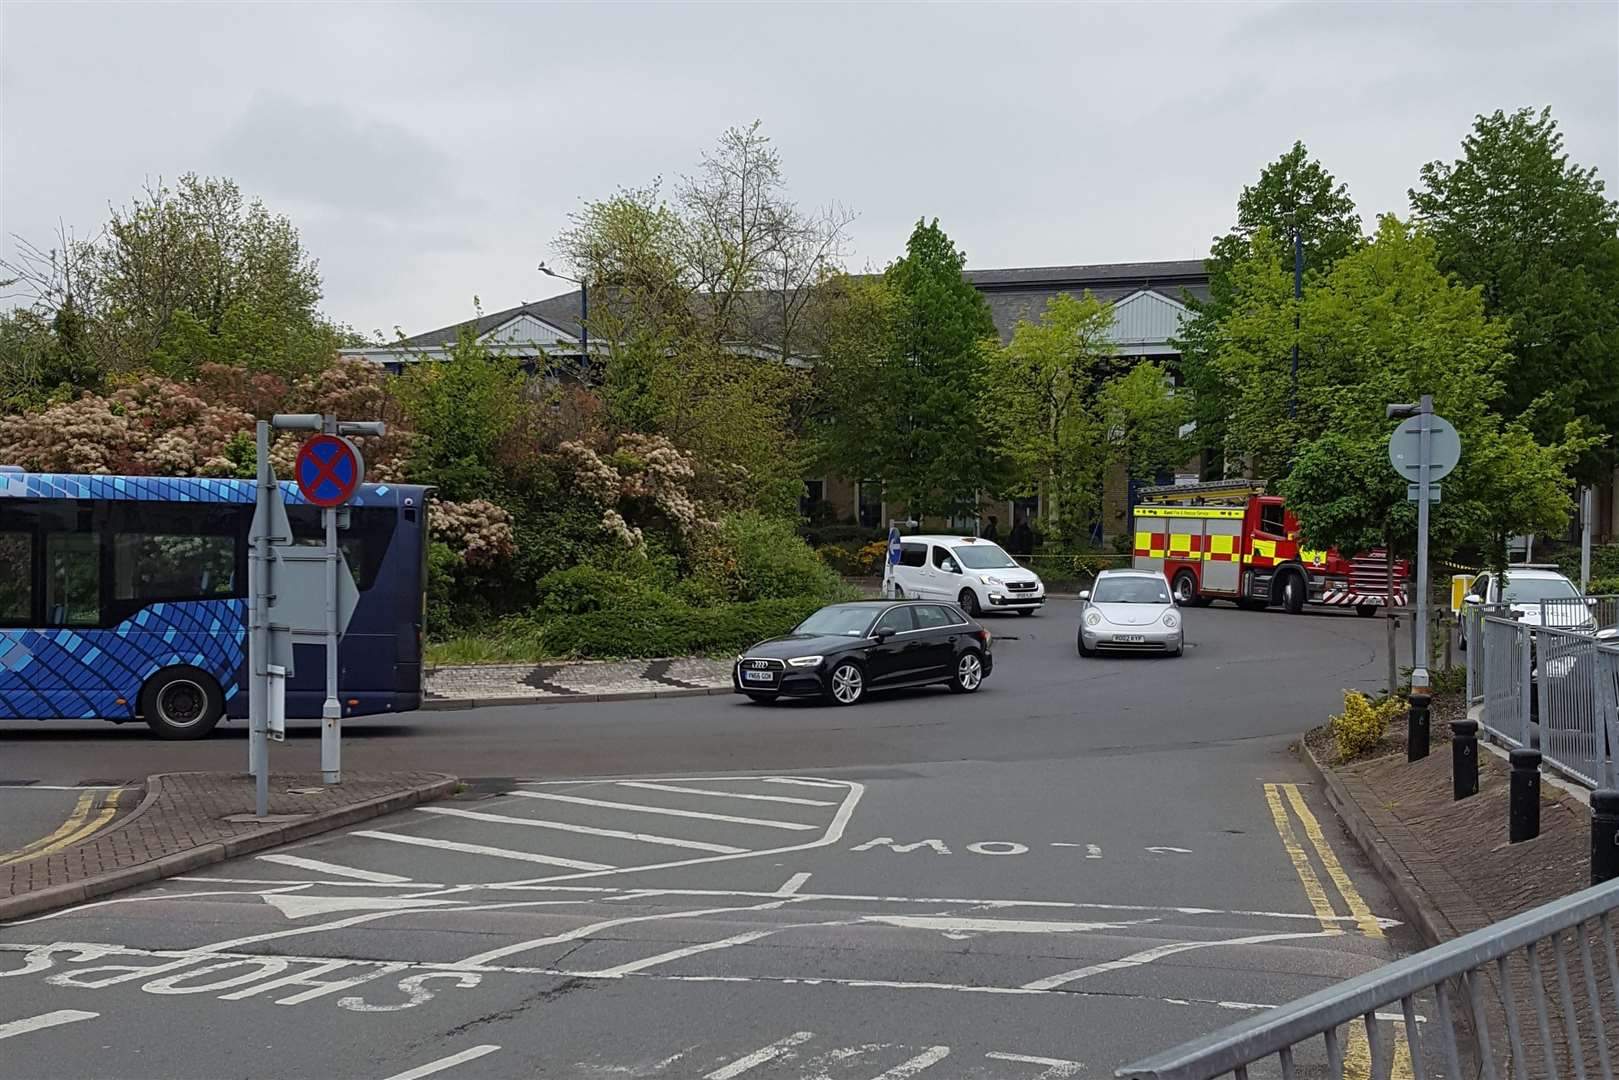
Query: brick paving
[584, 679]
[184, 821]
[1468, 876]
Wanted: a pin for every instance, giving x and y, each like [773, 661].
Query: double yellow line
[78, 827]
[1356, 1049]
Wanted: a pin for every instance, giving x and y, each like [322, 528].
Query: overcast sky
[431, 153]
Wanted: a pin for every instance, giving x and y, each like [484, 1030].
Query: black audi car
[844, 651]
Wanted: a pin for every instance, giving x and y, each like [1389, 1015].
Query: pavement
[184, 821]
[468, 686]
[1085, 862]
[1450, 867]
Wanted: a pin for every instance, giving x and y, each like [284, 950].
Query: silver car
[1131, 611]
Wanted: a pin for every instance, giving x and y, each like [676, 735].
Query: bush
[580, 590]
[1361, 726]
[1603, 586]
[751, 557]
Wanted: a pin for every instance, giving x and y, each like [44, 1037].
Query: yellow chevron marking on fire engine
[1188, 512]
[1301, 864]
[1312, 828]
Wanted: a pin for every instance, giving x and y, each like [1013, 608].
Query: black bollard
[1523, 809]
[1604, 836]
[1464, 758]
[1416, 728]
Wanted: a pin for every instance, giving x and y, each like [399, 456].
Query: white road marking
[1056, 1067]
[405, 883]
[588, 830]
[580, 800]
[303, 906]
[104, 951]
[1093, 851]
[801, 782]
[1147, 956]
[950, 924]
[82, 908]
[1005, 847]
[760, 1056]
[833, 834]
[931, 1056]
[1170, 850]
[483, 958]
[680, 954]
[651, 785]
[543, 885]
[480, 849]
[791, 886]
[319, 867]
[44, 1020]
[445, 1063]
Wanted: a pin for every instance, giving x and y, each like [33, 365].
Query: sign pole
[1419, 662]
[331, 712]
[258, 579]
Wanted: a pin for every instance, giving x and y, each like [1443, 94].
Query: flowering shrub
[155, 426]
[645, 480]
[478, 532]
[1362, 724]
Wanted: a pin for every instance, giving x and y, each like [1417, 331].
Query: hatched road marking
[480, 849]
[319, 867]
[588, 830]
[44, 1020]
[445, 1063]
[650, 785]
[665, 810]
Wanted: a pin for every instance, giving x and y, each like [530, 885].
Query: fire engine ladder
[1208, 493]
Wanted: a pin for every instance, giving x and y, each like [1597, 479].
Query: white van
[974, 574]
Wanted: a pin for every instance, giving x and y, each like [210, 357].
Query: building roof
[1013, 293]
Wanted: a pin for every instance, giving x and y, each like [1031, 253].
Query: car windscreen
[983, 556]
[1528, 590]
[1129, 591]
[840, 620]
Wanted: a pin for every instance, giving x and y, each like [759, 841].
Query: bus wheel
[182, 703]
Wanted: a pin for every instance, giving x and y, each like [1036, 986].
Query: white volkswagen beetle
[1131, 611]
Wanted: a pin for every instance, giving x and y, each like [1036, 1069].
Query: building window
[869, 503]
[811, 503]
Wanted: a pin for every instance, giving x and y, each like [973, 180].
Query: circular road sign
[329, 470]
[1444, 448]
[893, 546]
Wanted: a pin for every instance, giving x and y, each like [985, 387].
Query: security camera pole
[1424, 448]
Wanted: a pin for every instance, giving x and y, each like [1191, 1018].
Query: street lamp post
[1298, 295]
[584, 311]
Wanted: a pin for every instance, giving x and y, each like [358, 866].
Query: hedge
[641, 630]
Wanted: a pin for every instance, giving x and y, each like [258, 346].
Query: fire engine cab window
[1272, 521]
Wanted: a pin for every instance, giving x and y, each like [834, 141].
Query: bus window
[175, 552]
[364, 543]
[16, 578]
[72, 579]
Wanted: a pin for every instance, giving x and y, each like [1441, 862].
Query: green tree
[183, 276]
[1386, 325]
[907, 402]
[1292, 193]
[1142, 417]
[465, 411]
[1042, 388]
[1514, 216]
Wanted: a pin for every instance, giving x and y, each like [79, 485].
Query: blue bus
[125, 598]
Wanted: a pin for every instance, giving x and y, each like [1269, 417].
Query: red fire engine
[1228, 540]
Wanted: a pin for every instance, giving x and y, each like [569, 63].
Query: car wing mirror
[1473, 598]
[882, 635]
[1085, 594]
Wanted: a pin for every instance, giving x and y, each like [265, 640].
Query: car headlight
[739, 657]
[1171, 620]
[989, 579]
[804, 661]
[1093, 618]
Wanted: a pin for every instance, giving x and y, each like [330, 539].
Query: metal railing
[1502, 996]
[1503, 647]
[1575, 693]
[1581, 614]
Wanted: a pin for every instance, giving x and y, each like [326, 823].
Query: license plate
[1130, 639]
[758, 676]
